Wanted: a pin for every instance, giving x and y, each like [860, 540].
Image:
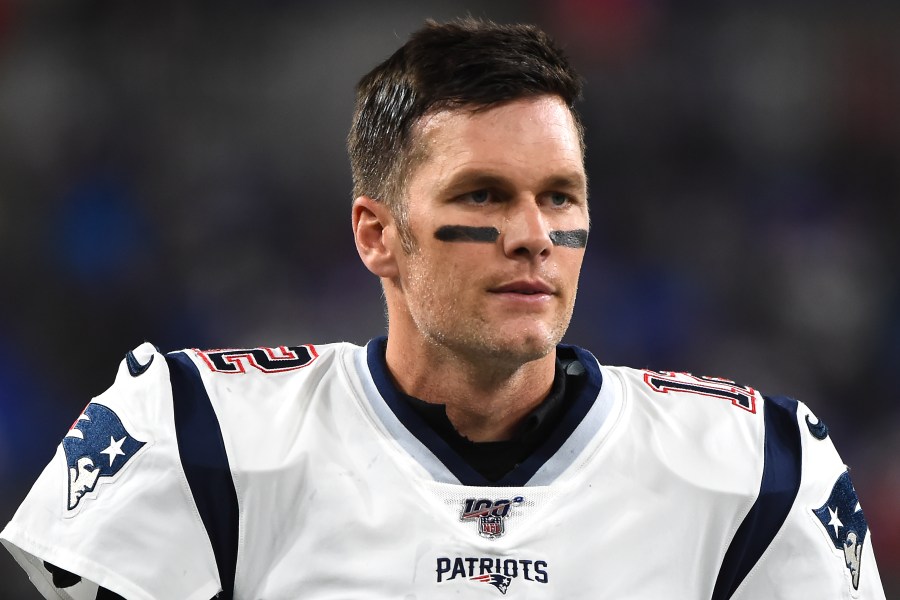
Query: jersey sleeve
[824, 547]
[114, 506]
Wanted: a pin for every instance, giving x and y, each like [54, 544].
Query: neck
[485, 399]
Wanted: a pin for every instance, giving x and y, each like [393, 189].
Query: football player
[468, 453]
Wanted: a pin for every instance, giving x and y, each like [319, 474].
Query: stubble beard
[494, 352]
[469, 337]
[467, 334]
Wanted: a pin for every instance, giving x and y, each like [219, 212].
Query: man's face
[82, 479]
[498, 211]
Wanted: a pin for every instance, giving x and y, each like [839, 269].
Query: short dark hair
[467, 63]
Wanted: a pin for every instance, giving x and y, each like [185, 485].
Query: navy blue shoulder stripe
[205, 463]
[777, 491]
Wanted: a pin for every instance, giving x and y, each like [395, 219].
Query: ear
[375, 234]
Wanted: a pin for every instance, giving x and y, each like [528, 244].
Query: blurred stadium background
[175, 171]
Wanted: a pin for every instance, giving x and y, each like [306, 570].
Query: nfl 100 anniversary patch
[489, 515]
[97, 448]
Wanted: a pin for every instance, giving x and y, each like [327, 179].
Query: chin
[510, 342]
[524, 346]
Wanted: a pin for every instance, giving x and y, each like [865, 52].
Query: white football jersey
[299, 472]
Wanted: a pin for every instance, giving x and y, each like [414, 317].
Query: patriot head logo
[96, 447]
[501, 582]
[845, 523]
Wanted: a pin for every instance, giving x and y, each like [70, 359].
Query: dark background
[175, 172]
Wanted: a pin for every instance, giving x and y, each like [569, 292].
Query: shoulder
[118, 469]
[261, 360]
[803, 521]
[158, 393]
[712, 431]
[247, 395]
[823, 545]
[265, 360]
[139, 397]
[686, 400]
[146, 370]
[224, 369]
[801, 501]
[734, 421]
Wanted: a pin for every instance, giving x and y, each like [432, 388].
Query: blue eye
[559, 199]
[480, 196]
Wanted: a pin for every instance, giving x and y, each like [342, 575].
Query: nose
[526, 233]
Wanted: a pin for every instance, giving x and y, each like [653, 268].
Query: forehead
[525, 136]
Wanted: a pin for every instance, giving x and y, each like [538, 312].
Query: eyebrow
[469, 179]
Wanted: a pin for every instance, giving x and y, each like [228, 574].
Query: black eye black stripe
[575, 238]
[463, 233]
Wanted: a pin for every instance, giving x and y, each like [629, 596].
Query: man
[468, 453]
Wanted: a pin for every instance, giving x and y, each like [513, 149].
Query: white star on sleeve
[115, 449]
[834, 522]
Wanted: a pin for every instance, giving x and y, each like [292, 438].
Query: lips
[525, 287]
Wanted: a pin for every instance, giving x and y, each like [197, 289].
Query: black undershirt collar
[493, 460]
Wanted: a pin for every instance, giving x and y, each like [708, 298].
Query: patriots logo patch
[97, 447]
[501, 582]
[845, 523]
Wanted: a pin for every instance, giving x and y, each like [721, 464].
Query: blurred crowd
[175, 172]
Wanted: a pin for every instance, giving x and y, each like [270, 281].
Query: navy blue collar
[582, 385]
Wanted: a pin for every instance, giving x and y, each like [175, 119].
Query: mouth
[525, 288]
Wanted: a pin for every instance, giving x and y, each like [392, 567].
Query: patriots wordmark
[497, 572]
